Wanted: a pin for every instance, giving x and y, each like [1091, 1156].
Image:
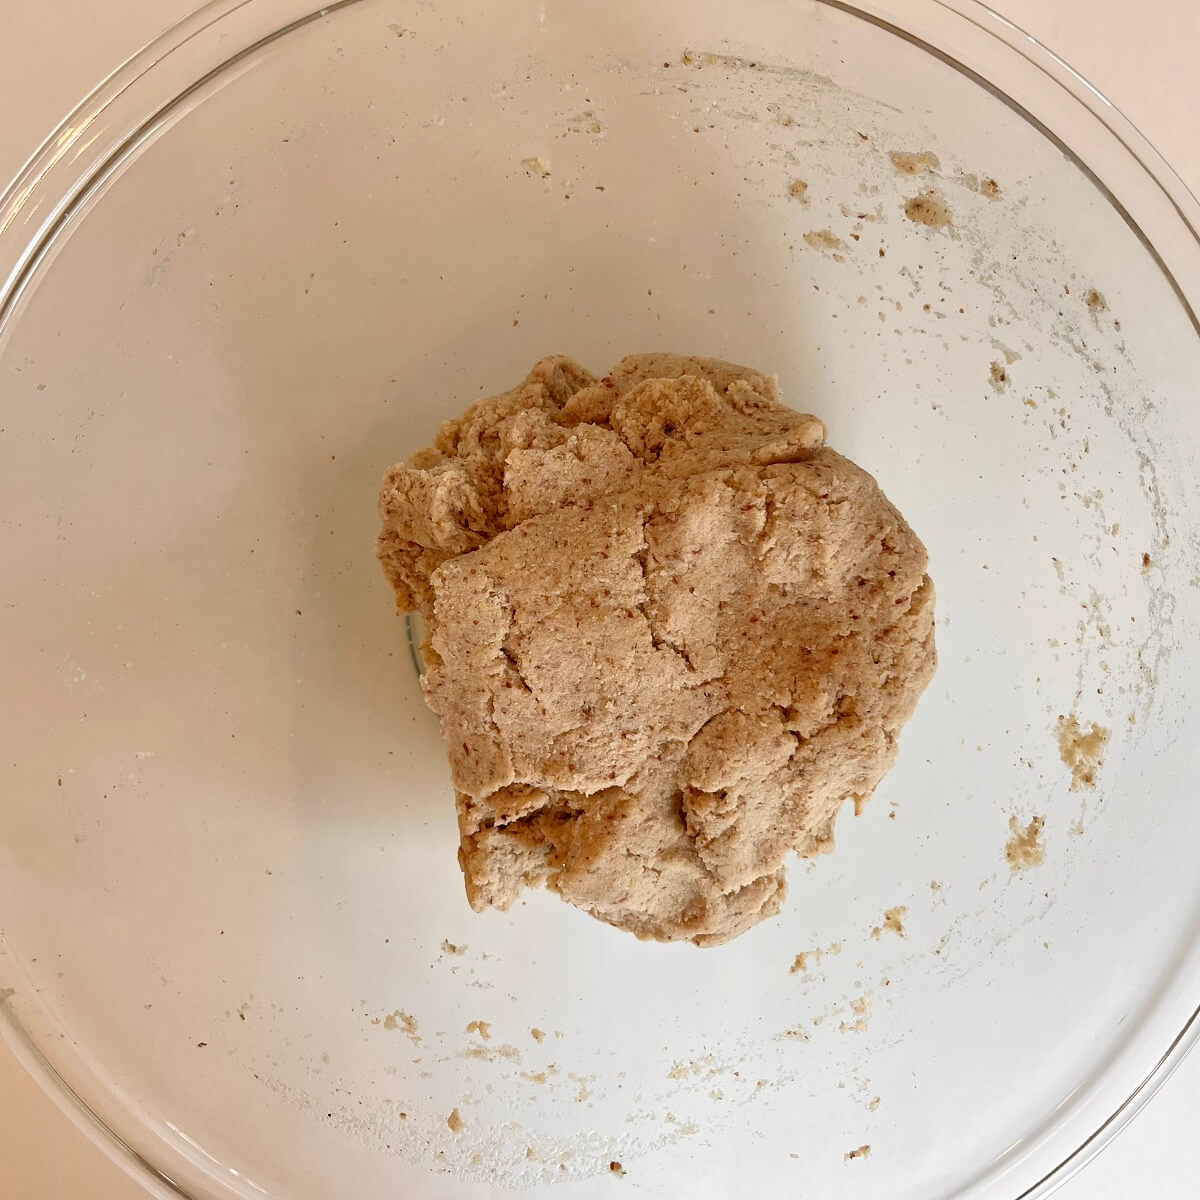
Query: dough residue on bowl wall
[914, 163]
[1081, 749]
[1023, 849]
[928, 208]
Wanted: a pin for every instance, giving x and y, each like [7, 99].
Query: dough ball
[670, 633]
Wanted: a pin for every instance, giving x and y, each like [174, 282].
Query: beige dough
[670, 633]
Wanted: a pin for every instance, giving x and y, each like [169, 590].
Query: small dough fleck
[669, 634]
[455, 1121]
[401, 1020]
[822, 239]
[928, 208]
[1024, 850]
[910, 163]
[893, 922]
[1081, 749]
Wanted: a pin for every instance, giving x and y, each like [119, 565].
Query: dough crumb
[616, 1168]
[822, 239]
[490, 1054]
[859, 1152]
[537, 166]
[861, 1008]
[451, 948]
[989, 188]
[929, 209]
[1095, 300]
[875, 1103]
[800, 962]
[1023, 849]
[483, 1028]
[798, 190]
[893, 922]
[537, 1035]
[455, 1121]
[908, 163]
[998, 377]
[1082, 750]
[669, 633]
[401, 1020]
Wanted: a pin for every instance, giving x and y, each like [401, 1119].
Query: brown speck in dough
[669, 632]
[1082, 750]
[998, 376]
[452, 948]
[989, 188]
[483, 1028]
[893, 922]
[1095, 300]
[910, 163]
[536, 166]
[1147, 562]
[934, 886]
[822, 239]
[858, 1152]
[537, 1035]
[455, 1121]
[616, 1168]
[401, 1020]
[798, 190]
[1023, 849]
[928, 209]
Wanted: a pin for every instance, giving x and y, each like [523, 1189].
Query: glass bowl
[260, 263]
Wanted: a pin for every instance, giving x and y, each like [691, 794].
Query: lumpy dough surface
[670, 632]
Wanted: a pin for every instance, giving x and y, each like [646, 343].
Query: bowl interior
[227, 864]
